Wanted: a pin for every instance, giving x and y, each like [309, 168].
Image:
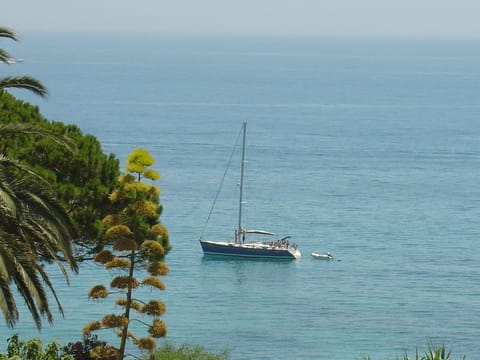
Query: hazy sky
[405, 18]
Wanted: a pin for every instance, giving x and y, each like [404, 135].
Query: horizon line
[416, 37]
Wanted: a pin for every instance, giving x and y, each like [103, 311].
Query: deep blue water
[368, 149]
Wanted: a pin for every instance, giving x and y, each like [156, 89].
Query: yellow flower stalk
[158, 268]
[98, 292]
[104, 256]
[92, 326]
[154, 308]
[117, 263]
[151, 174]
[158, 329]
[135, 168]
[110, 220]
[139, 240]
[141, 156]
[125, 245]
[118, 231]
[154, 282]
[146, 344]
[116, 195]
[122, 282]
[121, 302]
[134, 304]
[158, 230]
[152, 247]
[114, 321]
[145, 207]
[139, 186]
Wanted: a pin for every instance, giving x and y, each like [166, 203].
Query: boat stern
[296, 253]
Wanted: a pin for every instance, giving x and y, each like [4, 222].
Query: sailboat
[239, 246]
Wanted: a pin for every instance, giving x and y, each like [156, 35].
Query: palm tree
[20, 82]
[34, 227]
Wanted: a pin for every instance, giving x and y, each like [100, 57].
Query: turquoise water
[365, 148]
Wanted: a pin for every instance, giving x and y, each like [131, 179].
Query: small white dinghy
[326, 256]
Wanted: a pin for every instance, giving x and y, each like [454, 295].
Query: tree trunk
[121, 353]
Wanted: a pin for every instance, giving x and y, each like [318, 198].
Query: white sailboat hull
[249, 250]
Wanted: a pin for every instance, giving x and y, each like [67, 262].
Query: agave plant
[438, 352]
[434, 352]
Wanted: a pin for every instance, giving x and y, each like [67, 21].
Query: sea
[367, 148]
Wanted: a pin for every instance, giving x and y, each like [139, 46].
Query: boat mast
[240, 236]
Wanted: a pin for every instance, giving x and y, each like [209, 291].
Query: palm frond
[39, 228]
[5, 57]
[19, 267]
[8, 33]
[46, 218]
[7, 304]
[31, 289]
[7, 300]
[24, 82]
[49, 284]
[9, 167]
[38, 211]
[7, 204]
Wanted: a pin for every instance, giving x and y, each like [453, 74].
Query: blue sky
[403, 18]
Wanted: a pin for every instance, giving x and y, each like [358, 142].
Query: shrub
[80, 350]
[186, 352]
[33, 349]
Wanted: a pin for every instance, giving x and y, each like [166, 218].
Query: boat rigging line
[222, 181]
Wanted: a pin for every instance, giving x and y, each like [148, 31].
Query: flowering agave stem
[127, 305]
[137, 240]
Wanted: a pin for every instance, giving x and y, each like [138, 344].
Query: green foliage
[82, 178]
[186, 352]
[437, 352]
[33, 349]
[434, 352]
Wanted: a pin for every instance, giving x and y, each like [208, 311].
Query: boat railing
[283, 243]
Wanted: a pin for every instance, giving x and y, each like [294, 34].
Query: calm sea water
[368, 149]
